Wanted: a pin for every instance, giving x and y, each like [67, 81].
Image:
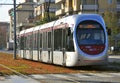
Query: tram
[76, 40]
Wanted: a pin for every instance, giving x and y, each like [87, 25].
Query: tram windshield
[90, 33]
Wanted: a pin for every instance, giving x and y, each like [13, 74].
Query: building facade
[69, 7]
[25, 15]
[11, 29]
[43, 8]
[4, 32]
[24, 19]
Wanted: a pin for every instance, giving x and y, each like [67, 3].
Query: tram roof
[22, 32]
[68, 19]
[36, 28]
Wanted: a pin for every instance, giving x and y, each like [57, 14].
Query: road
[64, 78]
[79, 78]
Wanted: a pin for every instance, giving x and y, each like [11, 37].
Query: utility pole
[15, 46]
[48, 11]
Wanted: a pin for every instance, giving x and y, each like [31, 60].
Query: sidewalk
[114, 58]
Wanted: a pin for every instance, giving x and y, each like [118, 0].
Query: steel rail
[18, 73]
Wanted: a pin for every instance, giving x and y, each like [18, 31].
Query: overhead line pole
[15, 44]
[48, 11]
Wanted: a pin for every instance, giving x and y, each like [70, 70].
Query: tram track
[55, 77]
[17, 73]
[69, 79]
[29, 77]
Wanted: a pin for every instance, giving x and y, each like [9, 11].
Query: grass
[31, 67]
[28, 67]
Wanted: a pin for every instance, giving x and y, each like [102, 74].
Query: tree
[46, 19]
[111, 21]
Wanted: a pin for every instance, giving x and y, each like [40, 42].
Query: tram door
[28, 47]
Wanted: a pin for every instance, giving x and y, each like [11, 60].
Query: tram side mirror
[109, 31]
[69, 32]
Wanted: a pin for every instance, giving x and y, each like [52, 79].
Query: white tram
[75, 40]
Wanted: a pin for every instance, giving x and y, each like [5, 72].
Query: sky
[4, 16]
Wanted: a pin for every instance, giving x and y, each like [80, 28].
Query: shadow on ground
[110, 67]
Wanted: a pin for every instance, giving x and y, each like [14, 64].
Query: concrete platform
[114, 58]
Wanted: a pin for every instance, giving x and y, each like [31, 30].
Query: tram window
[44, 40]
[68, 32]
[31, 41]
[64, 38]
[28, 41]
[40, 41]
[67, 39]
[25, 42]
[58, 39]
[55, 39]
[49, 39]
[22, 42]
[90, 36]
[34, 41]
[70, 45]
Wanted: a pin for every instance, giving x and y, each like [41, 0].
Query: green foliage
[111, 21]
[46, 19]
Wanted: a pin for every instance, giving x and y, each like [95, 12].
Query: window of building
[110, 1]
[84, 2]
